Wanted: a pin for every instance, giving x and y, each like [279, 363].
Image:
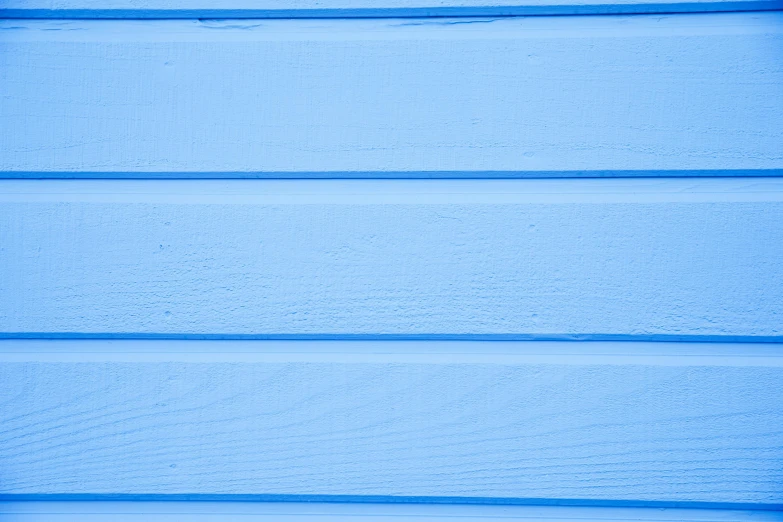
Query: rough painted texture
[675, 424]
[530, 257]
[611, 424]
[357, 8]
[521, 96]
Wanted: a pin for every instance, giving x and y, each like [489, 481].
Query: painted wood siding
[597, 421]
[520, 97]
[388, 253]
[607, 259]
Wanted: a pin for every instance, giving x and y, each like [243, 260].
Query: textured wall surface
[226, 277]
[601, 421]
[632, 258]
[540, 96]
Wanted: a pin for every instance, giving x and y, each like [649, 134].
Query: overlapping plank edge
[591, 423]
[678, 95]
[658, 259]
[523, 174]
[56, 511]
[237, 9]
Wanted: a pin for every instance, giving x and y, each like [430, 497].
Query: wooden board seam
[445, 174]
[401, 12]
[392, 499]
[586, 337]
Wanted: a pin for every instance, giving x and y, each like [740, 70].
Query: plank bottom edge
[596, 8]
[446, 174]
[385, 500]
[395, 337]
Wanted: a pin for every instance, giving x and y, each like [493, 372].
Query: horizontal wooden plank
[488, 422]
[52, 511]
[135, 9]
[606, 259]
[514, 97]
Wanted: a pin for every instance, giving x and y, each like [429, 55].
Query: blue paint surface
[275, 258]
[325, 511]
[634, 424]
[690, 259]
[259, 9]
[531, 9]
[566, 96]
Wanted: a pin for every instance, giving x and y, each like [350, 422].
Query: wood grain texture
[546, 96]
[527, 258]
[141, 9]
[169, 511]
[596, 422]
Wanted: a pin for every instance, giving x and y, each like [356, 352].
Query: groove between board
[542, 9]
[168, 508]
[388, 501]
[392, 175]
[758, 339]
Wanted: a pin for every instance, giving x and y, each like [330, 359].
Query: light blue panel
[503, 421]
[357, 8]
[634, 258]
[519, 97]
[53, 511]
[600, 423]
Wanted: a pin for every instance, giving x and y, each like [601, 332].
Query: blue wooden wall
[434, 260]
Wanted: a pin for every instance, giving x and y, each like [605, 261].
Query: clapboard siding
[529, 258]
[471, 92]
[545, 96]
[495, 421]
[358, 8]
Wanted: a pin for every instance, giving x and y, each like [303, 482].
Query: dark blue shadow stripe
[401, 12]
[388, 499]
[445, 174]
[400, 337]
